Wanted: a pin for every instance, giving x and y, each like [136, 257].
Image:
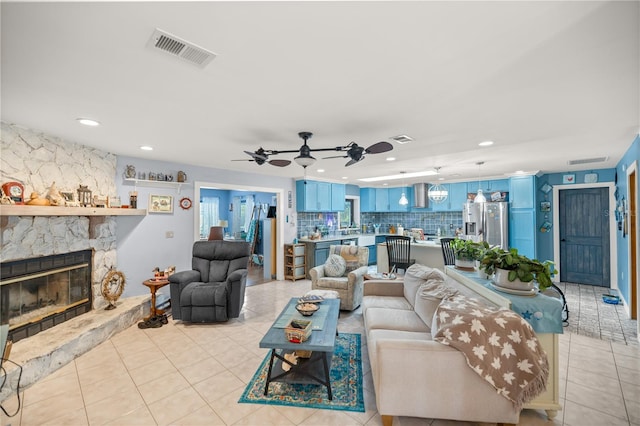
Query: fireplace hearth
[40, 293]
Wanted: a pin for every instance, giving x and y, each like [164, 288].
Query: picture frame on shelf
[160, 203]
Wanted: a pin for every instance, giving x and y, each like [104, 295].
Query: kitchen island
[427, 253]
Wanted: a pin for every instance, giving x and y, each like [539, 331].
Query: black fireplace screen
[36, 294]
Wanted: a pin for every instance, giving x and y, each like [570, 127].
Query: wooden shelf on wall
[155, 183]
[25, 210]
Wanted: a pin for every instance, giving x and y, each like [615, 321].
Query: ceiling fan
[353, 151]
[261, 156]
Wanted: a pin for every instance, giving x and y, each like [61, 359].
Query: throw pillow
[335, 266]
[415, 276]
[429, 296]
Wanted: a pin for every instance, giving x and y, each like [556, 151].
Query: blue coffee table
[321, 342]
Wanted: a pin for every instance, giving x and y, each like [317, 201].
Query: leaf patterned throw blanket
[498, 344]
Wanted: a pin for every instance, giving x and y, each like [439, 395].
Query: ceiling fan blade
[378, 148]
[243, 160]
[335, 156]
[352, 162]
[256, 155]
[280, 163]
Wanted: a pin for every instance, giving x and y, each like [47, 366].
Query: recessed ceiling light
[391, 158]
[440, 178]
[400, 176]
[88, 122]
[345, 177]
[146, 148]
[519, 172]
[320, 170]
[486, 143]
[385, 184]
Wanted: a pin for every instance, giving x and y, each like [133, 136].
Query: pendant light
[403, 201]
[480, 198]
[437, 193]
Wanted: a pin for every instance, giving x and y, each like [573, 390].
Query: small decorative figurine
[130, 172]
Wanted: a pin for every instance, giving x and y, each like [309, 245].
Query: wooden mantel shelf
[25, 210]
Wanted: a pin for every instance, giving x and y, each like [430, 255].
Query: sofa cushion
[335, 266]
[394, 319]
[429, 296]
[329, 283]
[415, 276]
[392, 302]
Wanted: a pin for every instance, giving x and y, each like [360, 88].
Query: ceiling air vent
[402, 139]
[587, 161]
[182, 49]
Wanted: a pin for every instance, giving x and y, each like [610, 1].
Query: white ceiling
[547, 81]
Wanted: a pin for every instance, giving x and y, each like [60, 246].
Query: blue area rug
[346, 382]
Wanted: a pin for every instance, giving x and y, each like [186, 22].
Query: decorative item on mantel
[84, 196]
[130, 172]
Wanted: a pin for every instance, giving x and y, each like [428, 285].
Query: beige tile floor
[194, 374]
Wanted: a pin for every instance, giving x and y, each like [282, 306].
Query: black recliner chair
[213, 290]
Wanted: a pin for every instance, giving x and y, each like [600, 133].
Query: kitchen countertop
[353, 236]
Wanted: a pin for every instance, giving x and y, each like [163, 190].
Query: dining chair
[399, 252]
[447, 251]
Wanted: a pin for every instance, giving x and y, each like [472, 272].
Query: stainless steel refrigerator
[487, 222]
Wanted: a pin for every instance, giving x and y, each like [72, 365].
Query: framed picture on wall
[545, 206]
[569, 178]
[546, 188]
[160, 204]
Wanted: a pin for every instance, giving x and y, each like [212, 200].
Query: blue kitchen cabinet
[457, 196]
[522, 192]
[522, 231]
[338, 194]
[394, 198]
[382, 200]
[313, 196]
[367, 200]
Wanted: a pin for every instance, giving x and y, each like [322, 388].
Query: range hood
[420, 199]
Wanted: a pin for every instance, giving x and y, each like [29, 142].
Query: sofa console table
[545, 316]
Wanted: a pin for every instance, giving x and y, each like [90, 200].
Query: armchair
[349, 283]
[214, 289]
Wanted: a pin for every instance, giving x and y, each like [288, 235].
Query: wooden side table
[154, 285]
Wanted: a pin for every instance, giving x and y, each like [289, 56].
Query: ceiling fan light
[403, 200]
[305, 160]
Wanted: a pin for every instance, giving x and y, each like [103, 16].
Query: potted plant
[466, 252]
[516, 271]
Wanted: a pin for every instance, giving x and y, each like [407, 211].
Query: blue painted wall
[544, 240]
[632, 155]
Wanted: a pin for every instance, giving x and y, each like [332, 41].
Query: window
[346, 218]
[209, 215]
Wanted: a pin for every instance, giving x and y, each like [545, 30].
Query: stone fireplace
[39, 293]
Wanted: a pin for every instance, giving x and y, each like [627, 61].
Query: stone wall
[37, 161]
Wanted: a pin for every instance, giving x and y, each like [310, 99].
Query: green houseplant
[466, 252]
[518, 267]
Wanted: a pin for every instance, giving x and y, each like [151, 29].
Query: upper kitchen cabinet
[313, 196]
[394, 198]
[367, 200]
[338, 195]
[382, 200]
[522, 192]
[455, 199]
[501, 185]
[316, 196]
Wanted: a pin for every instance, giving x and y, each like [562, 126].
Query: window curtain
[248, 212]
[209, 215]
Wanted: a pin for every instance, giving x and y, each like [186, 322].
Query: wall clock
[185, 203]
[15, 191]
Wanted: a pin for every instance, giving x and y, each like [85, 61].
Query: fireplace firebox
[39, 293]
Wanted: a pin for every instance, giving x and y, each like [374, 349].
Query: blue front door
[584, 236]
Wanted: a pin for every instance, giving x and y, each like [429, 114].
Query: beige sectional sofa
[412, 374]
